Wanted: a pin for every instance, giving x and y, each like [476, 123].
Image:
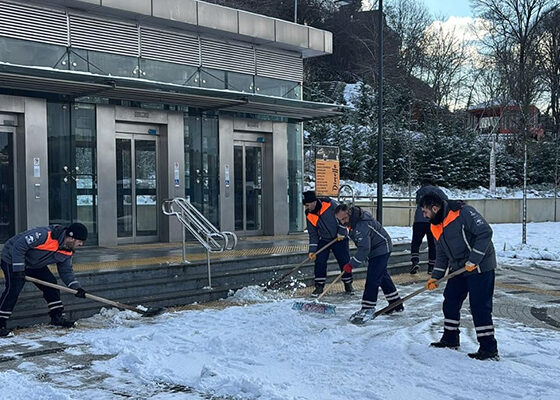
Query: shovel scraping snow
[145, 311]
[315, 306]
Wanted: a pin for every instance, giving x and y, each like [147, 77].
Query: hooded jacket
[461, 235]
[369, 236]
[39, 247]
[424, 190]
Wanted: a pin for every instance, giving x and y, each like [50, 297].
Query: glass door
[72, 165]
[7, 202]
[248, 173]
[137, 208]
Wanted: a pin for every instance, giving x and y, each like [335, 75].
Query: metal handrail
[201, 228]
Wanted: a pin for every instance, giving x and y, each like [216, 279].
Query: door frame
[131, 132]
[11, 129]
[249, 140]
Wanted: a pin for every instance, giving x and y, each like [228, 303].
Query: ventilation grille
[279, 65]
[102, 35]
[30, 23]
[230, 57]
[171, 47]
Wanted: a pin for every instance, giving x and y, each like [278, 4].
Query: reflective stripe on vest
[52, 245]
[314, 218]
[437, 230]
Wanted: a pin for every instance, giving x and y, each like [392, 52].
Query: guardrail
[213, 240]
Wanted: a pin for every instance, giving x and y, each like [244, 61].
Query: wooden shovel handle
[89, 296]
[330, 285]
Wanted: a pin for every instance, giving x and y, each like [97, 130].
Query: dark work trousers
[13, 288]
[419, 230]
[342, 254]
[480, 288]
[377, 276]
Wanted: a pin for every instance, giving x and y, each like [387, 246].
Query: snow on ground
[543, 242]
[370, 189]
[265, 350]
[268, 351]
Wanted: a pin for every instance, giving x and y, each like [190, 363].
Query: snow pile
[254, 294]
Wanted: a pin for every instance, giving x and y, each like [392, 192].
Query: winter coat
[462, 236]
[322, 223]
[39, 247]
[369, 236]
[424, 190]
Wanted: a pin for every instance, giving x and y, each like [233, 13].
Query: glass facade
[295, 176]
[71, 135]
[7, 201]
[202, 165]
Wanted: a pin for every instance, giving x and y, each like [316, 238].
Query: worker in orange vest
[29, 253]
[323, 227]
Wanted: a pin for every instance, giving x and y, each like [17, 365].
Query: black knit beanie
[77, 231]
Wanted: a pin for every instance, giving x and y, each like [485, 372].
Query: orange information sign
[327, 177]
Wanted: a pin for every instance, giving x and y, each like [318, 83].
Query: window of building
[277, 87]
[23, 52]
[295, 176]
[202, 186]
[169, 72]
[71, 135]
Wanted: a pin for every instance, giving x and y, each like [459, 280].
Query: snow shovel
[417, 292]
[270, 285]
[315, 306]
[146, 312]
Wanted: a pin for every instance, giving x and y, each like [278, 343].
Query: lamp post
[380, 118]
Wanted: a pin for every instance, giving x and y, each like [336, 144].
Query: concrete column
[175, 141]
[106, 176]
[36, 163]
[280, 179]
[227, 198]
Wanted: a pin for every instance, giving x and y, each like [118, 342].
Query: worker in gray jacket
[421, 228]
[463, 240]
[323, 227]
[374, 246]
[29, 253]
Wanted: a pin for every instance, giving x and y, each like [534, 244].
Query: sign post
[327, 171]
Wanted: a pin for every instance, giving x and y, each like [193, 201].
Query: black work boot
[414, 269]
[57, 319]
[3, 330]
[482, 354]
[348, 288]
[318, 289]
[399, 308]
[447, 342]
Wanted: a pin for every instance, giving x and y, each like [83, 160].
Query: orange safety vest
[52, 245]
[314, 218]
[437, 230]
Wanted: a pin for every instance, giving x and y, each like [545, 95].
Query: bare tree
[409, 19]
[444, 62]
[513, 40]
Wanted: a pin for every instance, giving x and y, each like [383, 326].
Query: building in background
[109, 107]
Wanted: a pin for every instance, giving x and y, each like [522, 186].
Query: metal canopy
[79, 84]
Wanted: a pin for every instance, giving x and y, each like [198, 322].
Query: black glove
[81, 293]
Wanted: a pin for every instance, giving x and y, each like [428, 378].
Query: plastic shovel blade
[320, 308]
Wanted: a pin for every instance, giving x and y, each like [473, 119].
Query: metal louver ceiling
[102, 35]
[228, 56]
[279, 65]
[32, 23]
[169, 46]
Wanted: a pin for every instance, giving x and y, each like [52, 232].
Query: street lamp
[340, 3]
